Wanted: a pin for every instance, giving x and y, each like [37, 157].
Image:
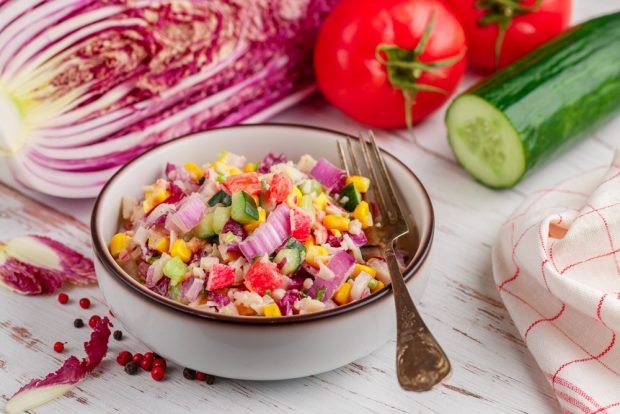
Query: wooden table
[493, 370]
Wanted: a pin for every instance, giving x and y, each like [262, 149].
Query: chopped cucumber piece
[220, 216]
[350, 197]
[485, 143]
[244, 209]
[221, 197]
[311, 186]
[293, 243]
[204, 229]
[292, 257]
[175, 269]
[306, 204]
[175, 292]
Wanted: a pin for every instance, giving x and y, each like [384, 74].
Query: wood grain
[493, 370]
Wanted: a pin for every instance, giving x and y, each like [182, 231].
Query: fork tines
[383, 186]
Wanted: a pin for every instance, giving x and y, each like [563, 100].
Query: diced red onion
[191, 288]
[341, 265]
[188, 215]
[358, 239]
[330, 176]
[269, 235]
[159, 214]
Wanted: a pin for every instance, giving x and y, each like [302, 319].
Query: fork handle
[420, 361]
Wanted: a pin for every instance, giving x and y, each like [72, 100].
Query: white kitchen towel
[556, 264]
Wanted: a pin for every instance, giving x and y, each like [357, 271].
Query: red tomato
[526, 30]
[247, 182]
[279, 188]
[351, 76]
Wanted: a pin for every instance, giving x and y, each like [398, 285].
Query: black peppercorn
[118, 335]
[131, 368]
[78, 323]
[189, 374]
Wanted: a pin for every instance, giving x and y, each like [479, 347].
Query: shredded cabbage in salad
[273, 238]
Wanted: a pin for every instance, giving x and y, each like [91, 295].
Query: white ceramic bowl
[250, 347]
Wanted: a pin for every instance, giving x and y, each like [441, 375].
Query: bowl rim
[110, 265]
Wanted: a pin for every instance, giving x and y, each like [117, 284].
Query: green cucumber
[221, 215]
[244, 209]
[204, 229]
[512, 121]
[350, 197]
[310, 186]
[293, 243]
[306, 204]
[293, 257]
[221, 197]
[175, 269]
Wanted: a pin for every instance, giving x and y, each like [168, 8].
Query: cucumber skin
[562, 90]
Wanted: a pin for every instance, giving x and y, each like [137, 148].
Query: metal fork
[420, 361]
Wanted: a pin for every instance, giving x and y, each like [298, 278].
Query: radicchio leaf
[72, 371]
[33, 265]
[270, 160]
[288, 300]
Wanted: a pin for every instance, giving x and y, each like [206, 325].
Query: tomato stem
[501, 12]
[404, 68]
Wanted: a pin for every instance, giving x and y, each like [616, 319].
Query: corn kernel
[332, 221]
[380, 285]
[361, 183]
[320, 202]
[234, 171]
[336, 233]
[194, 171]
[161, 245]
[343, 294]
[272, 310]
[313, 253]
[250, 167]
[262, 215]
[359, 268]
[119, 243]
[153, 198]
[179, 249]
[362, 213]
[294, 198]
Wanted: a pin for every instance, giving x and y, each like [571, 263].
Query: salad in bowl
[239, 237]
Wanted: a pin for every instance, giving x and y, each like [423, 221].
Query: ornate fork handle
[420, 361]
